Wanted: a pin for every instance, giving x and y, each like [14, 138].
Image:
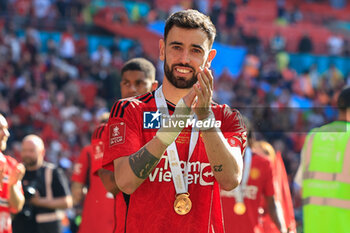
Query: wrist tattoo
[217, 168]
[142, 163]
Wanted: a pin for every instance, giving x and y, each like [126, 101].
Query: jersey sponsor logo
[198, 173]
[151, 120]
[117, 133]
[249, 192]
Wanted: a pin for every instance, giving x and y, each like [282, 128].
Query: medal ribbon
[246, 171]
[180, 180]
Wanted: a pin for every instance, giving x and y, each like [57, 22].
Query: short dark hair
[140, 64]
[344, 99]
[191, 19]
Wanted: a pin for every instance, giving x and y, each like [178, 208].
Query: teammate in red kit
[11, 173]
[108, 180]
[98, 208]
[241, 205]
[138, 77]
[172, 172]
[282, 195]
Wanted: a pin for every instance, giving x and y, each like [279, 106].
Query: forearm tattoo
[142, 163]
[217, 168]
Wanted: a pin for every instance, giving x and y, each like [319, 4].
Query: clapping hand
[199, 98]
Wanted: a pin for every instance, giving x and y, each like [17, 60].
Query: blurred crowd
[60, 91]
[46, 93]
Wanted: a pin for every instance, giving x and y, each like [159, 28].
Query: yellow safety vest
[326, 179]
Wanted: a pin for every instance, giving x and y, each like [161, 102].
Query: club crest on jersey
[151, 120]
[117, 133]
[254, 173]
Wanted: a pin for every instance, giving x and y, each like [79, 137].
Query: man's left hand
[204, 93]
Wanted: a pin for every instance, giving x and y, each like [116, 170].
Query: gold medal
[239, 208]
[182, 204]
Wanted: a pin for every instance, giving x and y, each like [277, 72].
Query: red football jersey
[98, 211]
[150, 207]
[5, 217]
[120, 201]
[259, 184]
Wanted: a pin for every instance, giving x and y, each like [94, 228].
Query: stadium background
[280, 60]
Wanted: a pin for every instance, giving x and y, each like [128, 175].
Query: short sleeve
[123, 135]
[81, 167]
[60, 185]
[233, 128]
[98, 147]
[268, 189]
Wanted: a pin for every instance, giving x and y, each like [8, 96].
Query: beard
[179, 82]
[29, 162]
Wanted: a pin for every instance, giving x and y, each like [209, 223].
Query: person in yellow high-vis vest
[324, 174]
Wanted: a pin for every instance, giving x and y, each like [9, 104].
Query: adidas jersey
[150, 207]
[98, 211]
